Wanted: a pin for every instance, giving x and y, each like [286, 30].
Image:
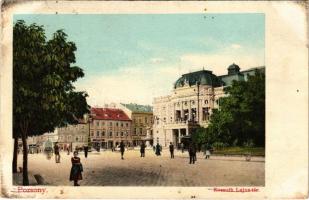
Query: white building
[190, 105]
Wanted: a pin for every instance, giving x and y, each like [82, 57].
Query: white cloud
[236, 46]
[129, 85]
[141, 83]
[156, 60]
[218, 63]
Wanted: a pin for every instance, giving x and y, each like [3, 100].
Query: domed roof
[203, 77]
[233, 69]
[233, 66]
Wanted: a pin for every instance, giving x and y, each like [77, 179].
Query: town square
[139, 100]
[154, 100]
[107, 169]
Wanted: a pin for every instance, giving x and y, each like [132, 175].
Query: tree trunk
[15, 154]
[25, 160]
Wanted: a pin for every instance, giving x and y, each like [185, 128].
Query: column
[190, 111]
[200, 113]
[181, 111]
[174, 110]
[187, 131]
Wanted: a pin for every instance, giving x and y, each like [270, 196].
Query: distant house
[142, 121]
[110, 126]
[40, 143]
[73, 136]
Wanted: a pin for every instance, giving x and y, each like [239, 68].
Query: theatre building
[108, 127]
[191, 103]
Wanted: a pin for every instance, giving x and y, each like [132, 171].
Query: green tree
[241, 117]
[43, 93]
[199, 136]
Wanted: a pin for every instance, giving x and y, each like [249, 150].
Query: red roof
[109, 114]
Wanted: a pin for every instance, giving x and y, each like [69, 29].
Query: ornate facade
[190, 105]
[142, 121]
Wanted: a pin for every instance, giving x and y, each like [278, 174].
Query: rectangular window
[121, 124]
[146, 120]
[102, 123]
[98, 123]
[110, 134]
[111, 123]
[141, 131]
[103, 133]
[121, 134]
[116, 123]
[127, 124]
[92, 133]
[98, 133]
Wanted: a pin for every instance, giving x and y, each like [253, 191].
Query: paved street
[107, 169]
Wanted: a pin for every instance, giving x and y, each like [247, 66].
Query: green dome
[203, 77]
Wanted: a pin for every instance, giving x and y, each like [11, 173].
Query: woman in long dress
[76, 170]
[158, 150]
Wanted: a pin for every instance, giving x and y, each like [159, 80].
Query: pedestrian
[192, 153]
[143, 146]
[195, 151]
[154, 148]
[76, 169]
[57, 153]
[172, 150]
[121, 149]
[182, 147]
[68, 150]
[86, 151]
[207, 154]
[158, 150]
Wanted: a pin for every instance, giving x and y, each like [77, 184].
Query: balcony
[181, 124]
[184, 121]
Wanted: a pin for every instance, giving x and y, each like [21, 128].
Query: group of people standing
[77, 167]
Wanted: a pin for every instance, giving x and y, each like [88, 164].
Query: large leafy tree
[240, 119]
[43, 93]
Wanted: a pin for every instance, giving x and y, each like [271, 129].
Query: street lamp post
[159, 119]
[89, 120]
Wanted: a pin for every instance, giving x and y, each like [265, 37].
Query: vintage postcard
[181, 100]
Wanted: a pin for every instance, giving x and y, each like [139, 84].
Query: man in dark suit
[86, 151]
[57, 153]
[192, 153]
[122, 149]
[143, 146]
[171, 150]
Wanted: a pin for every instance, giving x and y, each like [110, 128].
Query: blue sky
[133, 58]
